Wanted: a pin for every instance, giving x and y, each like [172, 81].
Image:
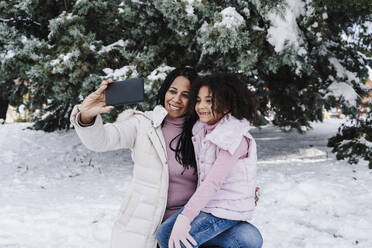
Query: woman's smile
[177, 97]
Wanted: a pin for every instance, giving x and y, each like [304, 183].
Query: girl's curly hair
[229, 93]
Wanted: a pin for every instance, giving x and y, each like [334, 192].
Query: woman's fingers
[101, 89]
[103, 86]
[106, 82]
[107, 109]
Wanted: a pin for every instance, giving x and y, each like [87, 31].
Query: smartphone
[125, 92]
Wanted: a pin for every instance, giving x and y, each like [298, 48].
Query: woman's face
[177, 97]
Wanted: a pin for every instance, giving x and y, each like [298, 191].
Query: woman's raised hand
[95, 103]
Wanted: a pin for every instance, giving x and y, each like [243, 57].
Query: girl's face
[177, 97]
[203, 107]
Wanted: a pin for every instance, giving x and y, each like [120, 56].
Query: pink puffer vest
[235, 199]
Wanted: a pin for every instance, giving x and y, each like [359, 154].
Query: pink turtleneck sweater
[182, 182]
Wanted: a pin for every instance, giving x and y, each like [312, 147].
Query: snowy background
[56, 193]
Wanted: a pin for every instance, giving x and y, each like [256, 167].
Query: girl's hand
[95, 104]
[180, 233]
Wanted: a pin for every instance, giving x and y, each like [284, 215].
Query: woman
[162, 181]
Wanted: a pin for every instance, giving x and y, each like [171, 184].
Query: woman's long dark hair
[184, 150]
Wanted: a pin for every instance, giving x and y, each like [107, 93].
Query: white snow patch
[284, 28]
[257, 28]
[69, 16]
[54, 62]
[247, 12]
[368, 26]
[231, 19]
[159, 73]
[24, 39]
[10, 54]
[122, 73]
[340, 89]
[189, 10]
[365, 142]
[342, 72]
[111, 46]
[189, 6]
[204, 27]
[66, 57]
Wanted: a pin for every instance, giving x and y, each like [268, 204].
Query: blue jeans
[208, 231]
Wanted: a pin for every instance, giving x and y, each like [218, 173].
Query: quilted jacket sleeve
[104, 137]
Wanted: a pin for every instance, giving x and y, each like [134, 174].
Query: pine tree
[300, 56]
[17, 53]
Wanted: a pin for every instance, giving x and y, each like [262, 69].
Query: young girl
[226, 162]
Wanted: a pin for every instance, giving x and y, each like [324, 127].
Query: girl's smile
[203, 107]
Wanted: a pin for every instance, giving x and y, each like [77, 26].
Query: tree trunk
[3, 108]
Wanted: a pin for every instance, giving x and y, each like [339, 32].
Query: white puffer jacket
[146, 198]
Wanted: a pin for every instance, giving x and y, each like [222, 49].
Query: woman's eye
[185, 96]
[173, 92]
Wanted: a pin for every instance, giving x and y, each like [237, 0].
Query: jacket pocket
[128, 208]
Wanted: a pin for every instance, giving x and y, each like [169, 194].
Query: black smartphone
[125, 92]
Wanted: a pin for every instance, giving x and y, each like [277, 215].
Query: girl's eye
[173, 92]
[185, 96]
[209, 101]
[197, 100]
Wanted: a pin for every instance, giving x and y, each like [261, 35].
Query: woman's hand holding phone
[95, 103]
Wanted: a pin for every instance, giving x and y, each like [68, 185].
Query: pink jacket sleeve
[214, 180]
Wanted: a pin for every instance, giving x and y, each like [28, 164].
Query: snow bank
[56, 193]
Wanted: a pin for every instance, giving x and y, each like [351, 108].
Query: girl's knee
[162, 235]
[254, 239]
[257, 241]
[247, 236]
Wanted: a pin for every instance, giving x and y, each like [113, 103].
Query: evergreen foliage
[354, 140]
[300, 56]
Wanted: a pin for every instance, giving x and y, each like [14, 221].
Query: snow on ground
[56, 193]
